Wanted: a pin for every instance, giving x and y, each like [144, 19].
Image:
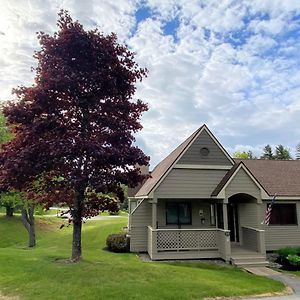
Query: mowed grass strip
[44, 272]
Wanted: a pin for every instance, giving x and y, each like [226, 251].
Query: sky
[233, 65]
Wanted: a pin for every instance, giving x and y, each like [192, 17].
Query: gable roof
[166, 165]
[224, 180]
[281, 177]
[160, 170]
[230, 175]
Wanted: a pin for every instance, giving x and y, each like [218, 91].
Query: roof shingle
[281, 177]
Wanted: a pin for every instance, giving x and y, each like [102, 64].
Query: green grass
[43, 272]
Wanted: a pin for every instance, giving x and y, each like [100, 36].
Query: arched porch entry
[242, 211]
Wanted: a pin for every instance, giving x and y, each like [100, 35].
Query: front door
[233, 222]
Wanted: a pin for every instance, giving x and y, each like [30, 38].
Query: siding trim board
[202, 167]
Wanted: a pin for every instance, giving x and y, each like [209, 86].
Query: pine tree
[282, 153]
[267, 153]
[298, 151]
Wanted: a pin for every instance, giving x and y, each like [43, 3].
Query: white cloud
[231, 64]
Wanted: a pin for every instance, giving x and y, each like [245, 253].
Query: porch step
[249, 261]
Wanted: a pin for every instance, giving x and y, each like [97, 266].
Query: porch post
[225, 216]
[259, 209]
[154, 213]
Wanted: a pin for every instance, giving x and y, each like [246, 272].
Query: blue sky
[233, 65]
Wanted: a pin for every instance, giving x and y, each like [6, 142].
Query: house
[202, 203]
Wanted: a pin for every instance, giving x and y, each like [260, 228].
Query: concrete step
[251, 264]
[248, 257]
[249, 261]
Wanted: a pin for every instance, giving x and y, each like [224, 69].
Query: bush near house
[118, 242]
[289, 258]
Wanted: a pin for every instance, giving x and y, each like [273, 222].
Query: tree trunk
[28, 222]
[9, 211]
[77, 226]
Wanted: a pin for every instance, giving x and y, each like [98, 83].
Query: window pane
[212, 215]
[283, 214]
[172, 213]
[220, 215]
[184, 213]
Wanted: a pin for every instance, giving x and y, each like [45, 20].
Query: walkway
[289, 280]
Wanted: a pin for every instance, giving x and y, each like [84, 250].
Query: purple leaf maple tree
[74, 127]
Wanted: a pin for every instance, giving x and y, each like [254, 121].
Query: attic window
[204, 151]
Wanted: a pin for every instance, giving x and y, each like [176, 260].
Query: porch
[206, 243]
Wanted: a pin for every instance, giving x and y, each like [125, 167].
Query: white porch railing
[254, 239]
[182, 240]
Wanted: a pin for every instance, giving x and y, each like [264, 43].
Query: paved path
[289, 280]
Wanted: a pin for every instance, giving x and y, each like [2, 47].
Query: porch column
[154, 213]
[225, 216]
[260, 216]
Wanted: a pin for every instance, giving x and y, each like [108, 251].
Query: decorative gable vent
[204, 151]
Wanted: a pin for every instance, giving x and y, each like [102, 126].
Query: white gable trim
[204, 127]
[264, 194]
[287, 198]
[139, 202]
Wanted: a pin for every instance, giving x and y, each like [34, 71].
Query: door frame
[233, 222]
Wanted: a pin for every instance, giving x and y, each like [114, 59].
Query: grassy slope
[42, 273]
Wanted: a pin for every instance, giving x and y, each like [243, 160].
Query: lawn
[43, 273]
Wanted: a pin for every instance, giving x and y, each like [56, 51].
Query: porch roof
[279, 177]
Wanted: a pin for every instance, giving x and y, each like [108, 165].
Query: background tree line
[280, 152]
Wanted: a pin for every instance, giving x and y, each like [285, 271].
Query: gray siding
[282, 236]
[242, 183]
[215, 156]
[189, 183]
[196, 205]
[139, 220]
[248, 214]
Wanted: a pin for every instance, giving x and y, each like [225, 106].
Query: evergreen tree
[267, 153]
[282, 153]
[298, 151]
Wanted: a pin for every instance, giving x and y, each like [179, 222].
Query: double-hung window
[178, 213]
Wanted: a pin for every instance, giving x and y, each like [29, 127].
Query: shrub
[289, 258]
[118, 242]
[294, 259]
[285, 252]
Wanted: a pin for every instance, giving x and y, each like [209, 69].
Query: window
[212, 214]
[220, 220]
[283, 214]
[178, 213]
